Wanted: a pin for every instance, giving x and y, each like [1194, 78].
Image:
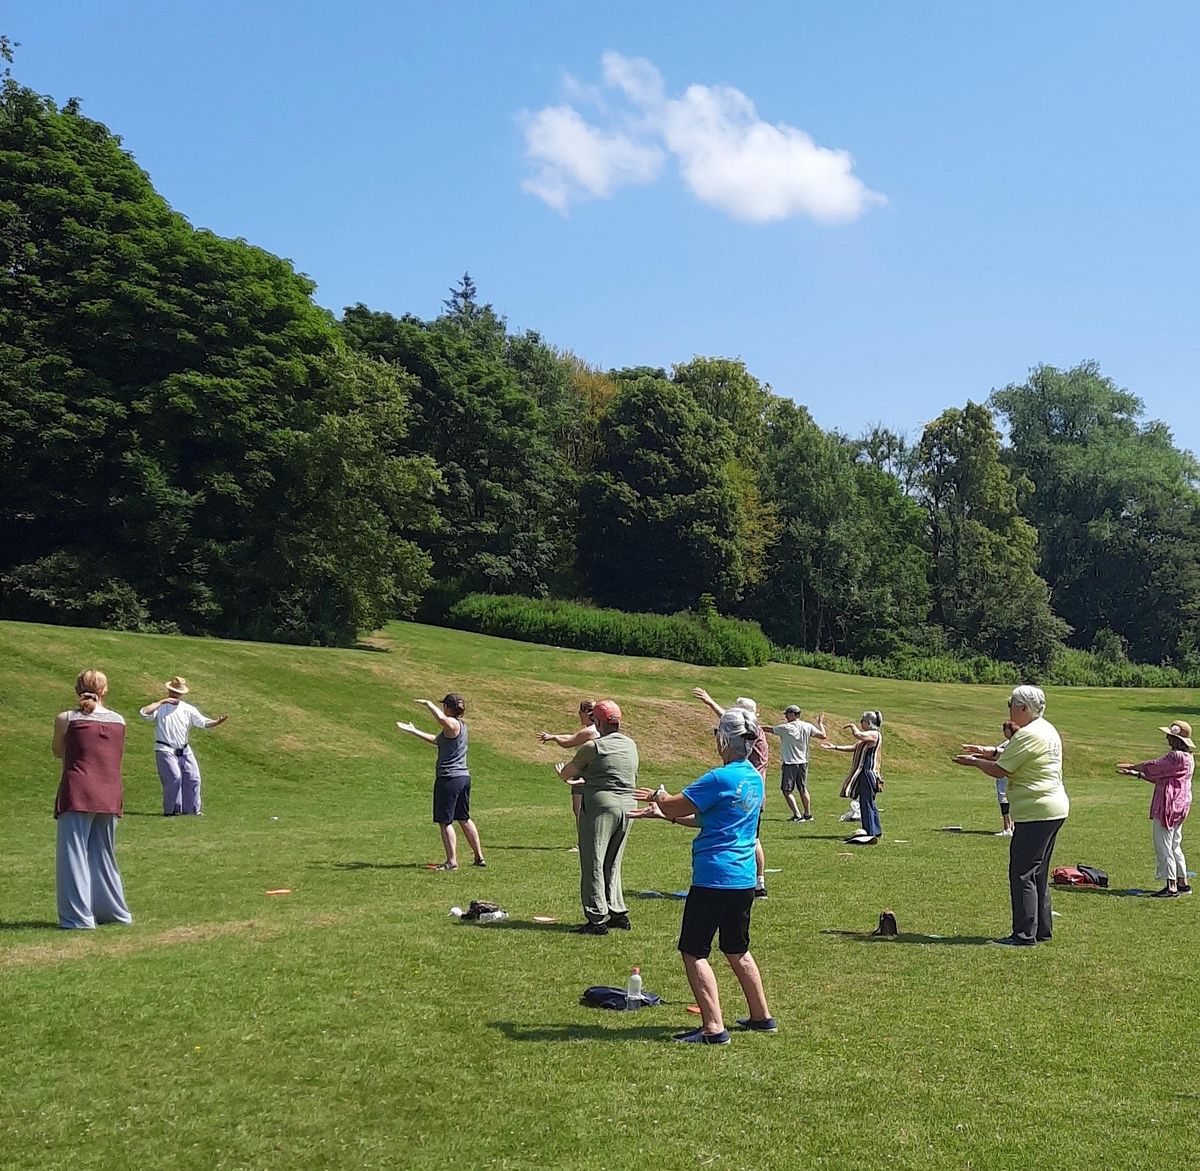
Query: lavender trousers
[180, 776]
[88, 881]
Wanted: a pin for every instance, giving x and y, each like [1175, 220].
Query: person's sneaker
[767, 1025]
[479, 862]
[795, 817]
[700, 1037]
[1009, 941]
[590, 929]
[1165, 893]
[806, 817]
[620, 922]
[760, 892]
[447, 866]
[848, 816]
[1184, 888]
[1002, 833]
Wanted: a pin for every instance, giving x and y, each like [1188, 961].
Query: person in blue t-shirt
[724, 804]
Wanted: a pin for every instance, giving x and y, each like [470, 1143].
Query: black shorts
[451, 799]
[708, 911]
[795, 776]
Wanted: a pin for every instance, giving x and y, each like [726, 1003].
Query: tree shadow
[911, 937]
[27, 925]
[1165, 709]
[515, 1032]
[372, 648]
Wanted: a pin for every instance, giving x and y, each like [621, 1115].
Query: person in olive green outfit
[606, 772]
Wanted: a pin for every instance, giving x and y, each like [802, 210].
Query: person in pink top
[1171, 776]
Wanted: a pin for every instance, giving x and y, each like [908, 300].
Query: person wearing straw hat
[178, 771]
[1171, 776]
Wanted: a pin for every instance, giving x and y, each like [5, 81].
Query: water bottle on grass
[633, 989]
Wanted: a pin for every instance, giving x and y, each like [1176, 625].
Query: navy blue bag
[602, 997]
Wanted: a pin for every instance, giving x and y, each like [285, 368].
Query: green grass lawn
[353, 1023]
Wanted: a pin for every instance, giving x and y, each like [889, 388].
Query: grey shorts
[795, 776]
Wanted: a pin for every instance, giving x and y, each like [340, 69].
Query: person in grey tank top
[451, 778]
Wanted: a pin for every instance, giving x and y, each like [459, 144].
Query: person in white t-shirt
[794, 735]
[173, 721]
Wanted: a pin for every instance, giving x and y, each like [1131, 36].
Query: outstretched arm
[820, 727]
[708, 701]
[413, 730]
[565, 740]
[677, 808]
[217, 722]
[148, 712]
[990, 767]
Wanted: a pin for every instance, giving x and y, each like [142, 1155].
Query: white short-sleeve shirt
[793, 739]
[172, 724]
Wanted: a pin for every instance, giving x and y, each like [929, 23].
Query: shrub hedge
[708, 639]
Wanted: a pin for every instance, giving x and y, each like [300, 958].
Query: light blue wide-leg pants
[89, 883]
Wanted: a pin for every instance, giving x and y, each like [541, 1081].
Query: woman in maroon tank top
[90, 741]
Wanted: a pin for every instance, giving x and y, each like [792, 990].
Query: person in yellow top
[1032, 763]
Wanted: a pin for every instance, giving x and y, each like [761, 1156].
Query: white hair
[737, 729]
[1032, 699]
[875, 719]
[747, 705]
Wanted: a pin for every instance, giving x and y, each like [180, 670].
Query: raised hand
[404, 726]
[545, 736]
[975, 749]
[700, 693]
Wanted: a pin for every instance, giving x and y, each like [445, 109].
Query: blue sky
[641, 183]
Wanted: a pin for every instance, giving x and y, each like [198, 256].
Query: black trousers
[1029, 878]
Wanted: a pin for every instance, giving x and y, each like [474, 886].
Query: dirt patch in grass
[89, 945]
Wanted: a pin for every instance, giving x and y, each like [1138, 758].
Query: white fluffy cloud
[728, 156]
[573, 160]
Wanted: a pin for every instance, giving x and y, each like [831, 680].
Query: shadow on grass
[27, 925]
[515, 1032]
[373, 866]
[554, 849]
[369, 646]
[911, 937]
[142, 813]
[1129, 892]
[527, 925]
[970, 833]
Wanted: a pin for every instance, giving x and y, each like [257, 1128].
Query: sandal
[447, 866]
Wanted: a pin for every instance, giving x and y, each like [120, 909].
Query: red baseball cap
[606, 712]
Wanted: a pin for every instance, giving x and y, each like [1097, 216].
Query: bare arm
[413, 730]
[147, 713]
[217, 722]
[572, 740]
[568, 772]
[820, 727]
[58, 743]
[449, 724]
[708, 701]
[990, 767]
[675, 808]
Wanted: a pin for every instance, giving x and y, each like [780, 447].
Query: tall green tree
[986, 591]
[849, 572]
[1112, 499]
[168, 398]
[660, 517]
[507, 497]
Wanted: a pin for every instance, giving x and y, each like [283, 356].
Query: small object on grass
[1056, 914]
[283, 890]
[274, 818]
[545, 919]
[846, 854]
[900, 841]
[679, 894]
[651, 894]
[777, 870]
[952, 829]
[694, 1008]
[456, 912]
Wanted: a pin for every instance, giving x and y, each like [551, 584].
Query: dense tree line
[189, 442]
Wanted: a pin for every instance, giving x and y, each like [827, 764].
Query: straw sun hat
[178, 686]
[1181, 730]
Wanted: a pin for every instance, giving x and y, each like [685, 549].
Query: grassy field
[354, 1024]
